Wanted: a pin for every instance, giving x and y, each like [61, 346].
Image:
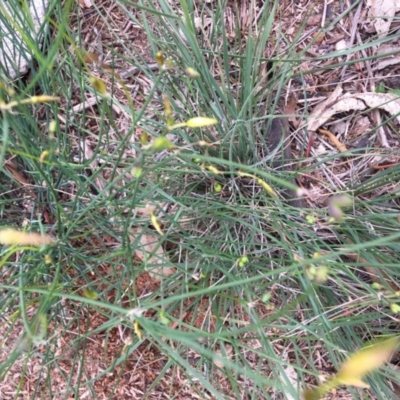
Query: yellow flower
[11, 237]
[200, 122]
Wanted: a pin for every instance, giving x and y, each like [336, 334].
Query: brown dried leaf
[361, 125]
[12, 168]
[393, 57]
[314, 20]
[382, 13]
[219, 358]
[357, 101]
[90, 57]
[290, 109]
[313, 121]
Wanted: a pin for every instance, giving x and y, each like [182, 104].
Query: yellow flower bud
[200, 122]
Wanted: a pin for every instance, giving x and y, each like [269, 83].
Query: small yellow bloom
[11, 237]
[144, 138]
[162, 143]
[53, 126]
[167, 105]
[173, 126]
[377, 286]
[395, 308]
[98, 85]
[170, 122]
[137, 330]
[89, 294]
[156, 224]
[136, 172]
[163, 318]
[200, 122]
[169, 64]
[160, 59]
[217, 187]
[310, 219]
[266, 187]
[10, 90]
[40, 99]
[311, 271]
[44, 155]
[243, 261]
[321, 275]
[365, 361]
[214, 170]
[266, 297]
[336, 205]
[192, 73]
[241, 173]
[356, 367]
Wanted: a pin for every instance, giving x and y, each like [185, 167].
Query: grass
[218, 327]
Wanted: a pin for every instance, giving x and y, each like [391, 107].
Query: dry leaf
[151, 253]
[386, 101]
[358, 101]
[290, 109]
[314, 20]
[219, 358]
[339, 128]
[202, 23]
[361, 125]
[12, 168]
[90, 57]
[322, 107]
[382, 13]
[391, 59]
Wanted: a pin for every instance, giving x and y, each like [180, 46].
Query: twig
[135, 70]
[352, 36]
[340, 146]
